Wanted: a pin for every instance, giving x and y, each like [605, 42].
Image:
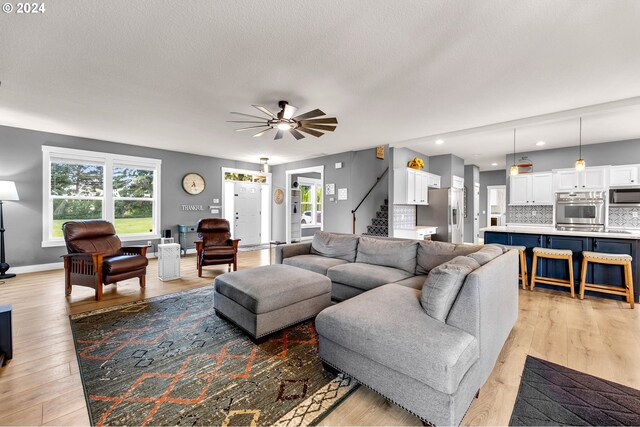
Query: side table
[168, 261]
[271, 244]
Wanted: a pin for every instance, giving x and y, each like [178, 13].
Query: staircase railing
[353, 212]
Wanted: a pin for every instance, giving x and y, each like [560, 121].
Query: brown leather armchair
[96, 256]
[215, 245]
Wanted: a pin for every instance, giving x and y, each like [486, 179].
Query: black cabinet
[613, 274]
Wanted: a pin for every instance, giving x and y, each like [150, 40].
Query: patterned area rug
[171, 361]
[551, 394]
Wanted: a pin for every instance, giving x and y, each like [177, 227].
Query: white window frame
[315, 184]
[108, 161]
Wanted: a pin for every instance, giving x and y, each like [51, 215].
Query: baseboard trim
[60, 265]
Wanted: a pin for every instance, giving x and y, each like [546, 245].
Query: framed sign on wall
[380, 152]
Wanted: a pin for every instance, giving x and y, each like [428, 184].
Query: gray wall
[487, 178]
[21, 161]
[358, 173]
[471, 177]
[446, 165]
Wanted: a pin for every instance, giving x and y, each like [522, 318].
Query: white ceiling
[166, 74]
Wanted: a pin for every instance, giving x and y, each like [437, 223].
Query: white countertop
[633, 234]
[418, 228]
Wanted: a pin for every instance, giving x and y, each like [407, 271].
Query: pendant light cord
[581, 137]
[514, 146]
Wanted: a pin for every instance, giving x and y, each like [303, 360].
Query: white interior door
[248, 212]
[476, 212]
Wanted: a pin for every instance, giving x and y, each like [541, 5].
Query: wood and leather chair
[96, 256]
[548, 253]
[216, 246]
[622, 260]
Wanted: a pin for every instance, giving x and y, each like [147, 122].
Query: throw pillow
[441, 288]
[432, 254]
[399, 254]
[335, 245]
[486, 254]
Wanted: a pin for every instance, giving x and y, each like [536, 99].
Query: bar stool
[564, 254]
[623, 260]
[523, 276]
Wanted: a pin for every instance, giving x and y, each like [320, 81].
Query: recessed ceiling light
[439, 142]
[494, 164]
[540, 143]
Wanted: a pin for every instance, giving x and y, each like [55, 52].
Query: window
[89, 185]
[310, 202]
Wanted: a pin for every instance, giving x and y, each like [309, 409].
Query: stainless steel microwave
[629, 196]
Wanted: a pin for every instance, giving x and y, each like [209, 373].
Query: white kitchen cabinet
[433, 181]
[457, 182]
[592, 178]
[623, 175]
[410, 187]
[417, 232]
[531, 189]
[542, 188]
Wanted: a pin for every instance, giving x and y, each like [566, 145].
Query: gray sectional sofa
[381, 335]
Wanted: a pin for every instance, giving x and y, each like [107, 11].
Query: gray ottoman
[267, 299]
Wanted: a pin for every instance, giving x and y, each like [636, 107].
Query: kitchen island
[613, 242]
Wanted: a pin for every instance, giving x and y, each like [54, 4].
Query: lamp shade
[8, 191]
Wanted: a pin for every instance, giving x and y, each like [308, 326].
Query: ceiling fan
[284, 121]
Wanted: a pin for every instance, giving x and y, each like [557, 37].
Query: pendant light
[514, 168]
[580, 163]
[265, 164]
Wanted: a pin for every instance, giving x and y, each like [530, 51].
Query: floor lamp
[7, 192]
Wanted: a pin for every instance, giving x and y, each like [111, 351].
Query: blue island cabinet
[558, 268]
[529, 241]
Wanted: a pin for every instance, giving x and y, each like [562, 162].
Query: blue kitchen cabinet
[614, 274]
[529, 241]
[493, 237]
[559, 269]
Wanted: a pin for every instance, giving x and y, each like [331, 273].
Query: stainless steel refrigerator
[445, 211]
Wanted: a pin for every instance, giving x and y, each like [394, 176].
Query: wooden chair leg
[523, 270]
[583, 276]
[534, 271]
[235, 263]
[99, 292]
[571, 282]
[143, 281]
[199, 270]
[628, 273]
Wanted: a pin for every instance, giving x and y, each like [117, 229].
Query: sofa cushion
[365, 276]
[414, 282]
[335, 245]
[487, 253]
[387, 325]
[443, 284]
[123, 264]
[398, 254]
[316, 263]
[270, 287]
[431, 254]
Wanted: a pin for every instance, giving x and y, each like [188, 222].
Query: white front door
[248, 215]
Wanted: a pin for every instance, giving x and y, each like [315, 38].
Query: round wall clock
[193, 183]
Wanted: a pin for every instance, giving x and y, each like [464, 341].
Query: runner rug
[170, 360]
[551, 394]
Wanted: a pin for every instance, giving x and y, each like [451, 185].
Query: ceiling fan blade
[265, 110]
[310, 131]
[279, 134]
[250, 127]
[246, 121]
[321, 127]
[296, 134]
[289, 111]
[262, 132]
[309, 115]
[327, 120]
[248, 115]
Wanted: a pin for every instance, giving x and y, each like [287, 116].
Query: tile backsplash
[525, 214]
[404, 216]
[623, 217]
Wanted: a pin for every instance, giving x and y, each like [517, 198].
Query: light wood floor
[41, 385]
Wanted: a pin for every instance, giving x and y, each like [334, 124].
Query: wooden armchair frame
[85, 269]
[200, 248]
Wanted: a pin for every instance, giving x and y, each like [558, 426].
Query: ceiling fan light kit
[310, 123]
